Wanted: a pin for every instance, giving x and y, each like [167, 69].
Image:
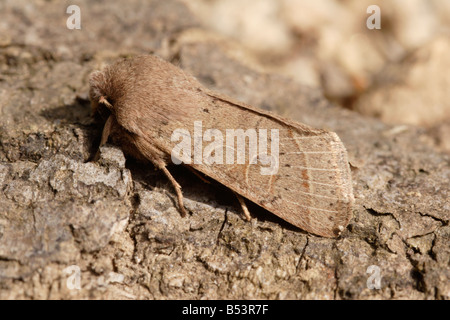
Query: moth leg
[105, 135]
[244, 207]
[157, 158]
[177, 188]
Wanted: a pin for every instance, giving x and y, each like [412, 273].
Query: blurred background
[397, 73]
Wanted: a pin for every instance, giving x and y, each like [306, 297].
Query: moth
[157, 112]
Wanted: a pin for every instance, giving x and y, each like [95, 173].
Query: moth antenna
[198, 175]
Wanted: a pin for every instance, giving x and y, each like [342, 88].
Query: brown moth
[154, 107]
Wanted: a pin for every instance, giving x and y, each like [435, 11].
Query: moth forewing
[311, 184]
[299, 173]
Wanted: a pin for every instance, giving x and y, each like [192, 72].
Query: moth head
[99, 93]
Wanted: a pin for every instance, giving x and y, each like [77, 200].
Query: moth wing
[310, 185]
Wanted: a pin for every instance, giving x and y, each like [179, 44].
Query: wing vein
[309, 207]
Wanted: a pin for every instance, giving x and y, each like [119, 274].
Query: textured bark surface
[116, 222]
